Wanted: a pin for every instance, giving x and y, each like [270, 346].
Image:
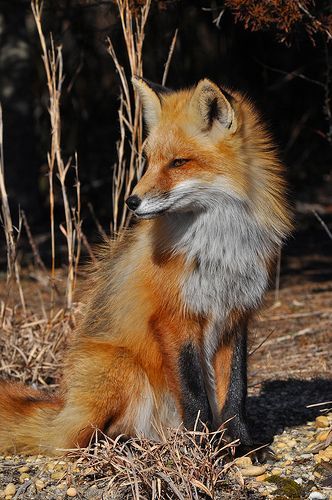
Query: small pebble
[243, 462]
[281, 445]
[285, 463]
[24, 477]
[23, 469]
[71, 492]
[10, 489]
[316, 495]
[254, 470]
[299, 480]
[324, 455]
[276, 472]
[328, 452]
[262, 477]
[60, 466]
[57, 475]
[322, 436]
[39, 484]
[322, 421]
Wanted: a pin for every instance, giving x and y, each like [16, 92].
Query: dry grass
[184, 465]
[32, 344]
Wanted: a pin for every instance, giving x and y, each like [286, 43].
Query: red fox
[164, 333]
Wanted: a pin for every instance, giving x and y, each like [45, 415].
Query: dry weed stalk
[128, 171]
[36, 255]
[11, 238]
[53, 64]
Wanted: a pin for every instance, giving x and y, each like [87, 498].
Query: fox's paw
[259, 453]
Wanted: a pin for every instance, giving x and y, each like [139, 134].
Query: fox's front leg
[179, 343]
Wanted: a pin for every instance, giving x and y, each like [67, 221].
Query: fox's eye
[178, 162]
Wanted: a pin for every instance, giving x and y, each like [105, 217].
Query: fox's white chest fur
[229, 250]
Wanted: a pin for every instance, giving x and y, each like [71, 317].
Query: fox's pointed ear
[150, 94]
[210, 105]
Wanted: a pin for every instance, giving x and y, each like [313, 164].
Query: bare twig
[169, 57]
[297, 315]
[315, 21]
[291, 336]
[327, 93]
[319, 404]
[35, 251]
[290, 75]
[11, 238]
[328, 232]
[6, 215]
[263, 342]
[96, 221]
[277, 284]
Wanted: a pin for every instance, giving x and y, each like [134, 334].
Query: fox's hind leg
[179, 344]
[105, 389]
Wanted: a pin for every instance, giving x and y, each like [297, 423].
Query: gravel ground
[302, 469]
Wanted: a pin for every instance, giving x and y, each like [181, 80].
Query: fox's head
[192, 149]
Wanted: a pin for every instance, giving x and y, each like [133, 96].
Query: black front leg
[194, 397]
[234, 406]
[230, 366]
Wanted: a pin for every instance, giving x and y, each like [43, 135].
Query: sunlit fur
[196, 267]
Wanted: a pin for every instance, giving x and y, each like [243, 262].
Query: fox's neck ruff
[227, 251]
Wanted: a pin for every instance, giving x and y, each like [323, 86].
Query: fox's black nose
[133, 202]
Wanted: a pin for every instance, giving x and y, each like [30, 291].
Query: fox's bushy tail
[26, 419]
[103, 388]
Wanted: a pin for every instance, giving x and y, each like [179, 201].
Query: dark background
[277, 51]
